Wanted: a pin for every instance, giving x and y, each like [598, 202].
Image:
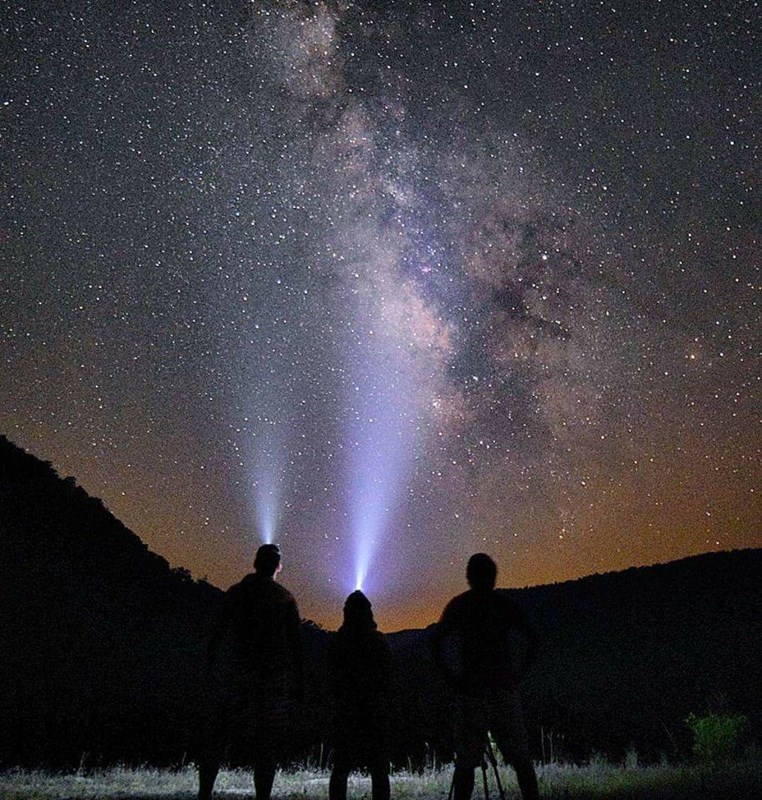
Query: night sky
[388, 285]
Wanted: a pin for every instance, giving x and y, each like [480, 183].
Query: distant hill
[630, 654]
[626, 656]
[100, 645]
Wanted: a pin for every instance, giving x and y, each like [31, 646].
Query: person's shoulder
[236, 597]
[509, 606]
[343, 645]
[283, 594]
[454, 608]
[383, 650]
[505, 597]
[460, 600]
[240, 588]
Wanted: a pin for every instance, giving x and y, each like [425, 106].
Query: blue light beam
[382, 441]
[268, 470]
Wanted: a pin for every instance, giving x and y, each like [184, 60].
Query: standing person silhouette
[486, 682]
[359, 661]
[254, 658]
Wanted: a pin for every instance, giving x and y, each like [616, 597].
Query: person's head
[267, 561]
[358, 612]
[481, 572]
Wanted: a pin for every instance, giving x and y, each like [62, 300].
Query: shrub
[715, 736]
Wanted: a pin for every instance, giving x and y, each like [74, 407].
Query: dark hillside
[629, 655]
[100, 642]
[626, 657]
[99, 636]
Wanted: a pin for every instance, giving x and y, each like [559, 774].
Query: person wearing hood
[360, 665]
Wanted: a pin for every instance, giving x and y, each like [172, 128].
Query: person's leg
[463, 782]
[379, 779]
[264, 777]
[337, 786]
[470, 735]
[524, 768]
[526, 777]
[507, 726]
[207, 774]
[212, 732]
[268, 725]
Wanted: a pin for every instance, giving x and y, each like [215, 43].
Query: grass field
[598, 780]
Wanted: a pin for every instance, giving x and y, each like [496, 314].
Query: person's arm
[441, 631]
[218, 631]
[532, 645]
[334, 667]
[385, 667]
[295, 646]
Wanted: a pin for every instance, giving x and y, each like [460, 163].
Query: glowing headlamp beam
[381, 453]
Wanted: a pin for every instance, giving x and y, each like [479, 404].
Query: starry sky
[388, 283]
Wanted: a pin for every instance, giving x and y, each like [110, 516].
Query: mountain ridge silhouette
[102, 642]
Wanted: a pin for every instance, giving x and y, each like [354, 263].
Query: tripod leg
[484, 779]
[499, 782]
[493, 761]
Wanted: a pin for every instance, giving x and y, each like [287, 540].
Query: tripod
[488, 755]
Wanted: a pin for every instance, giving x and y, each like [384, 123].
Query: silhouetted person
[255, 663]
[360, 667]
[482, 621]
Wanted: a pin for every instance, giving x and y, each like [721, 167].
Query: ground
[597, 780]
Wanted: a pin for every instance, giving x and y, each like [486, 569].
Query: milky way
[388, 285]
